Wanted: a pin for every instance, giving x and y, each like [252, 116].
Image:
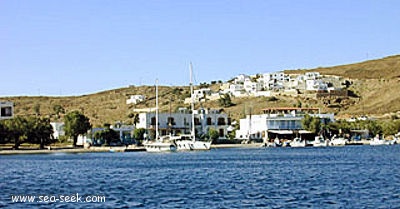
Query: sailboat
[188, 142]
[161, 143]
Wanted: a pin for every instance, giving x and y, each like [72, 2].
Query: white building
[236, 90]
[316, 85]
[278, 121]
[241, 78]
[6, 110]
[134, 99]
[181, 122]
[201, 93]
[273, 81]
[252, 87]
[312, 75]
[58, 129]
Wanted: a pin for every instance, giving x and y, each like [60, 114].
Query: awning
[281, 131]
[289, 131]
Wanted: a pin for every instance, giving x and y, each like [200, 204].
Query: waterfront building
[278, 120]
[180, 122]
[6, 110]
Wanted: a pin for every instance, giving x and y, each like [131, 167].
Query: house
[236, 90]
[316, 85]
[134, 99]
[240, 79]
[279, 120]
[181, 122]
[58, 129]
[252, 87]
[6, 110]
[274, 81]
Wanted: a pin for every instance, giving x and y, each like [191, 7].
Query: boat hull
[160, 147]
[188, 145]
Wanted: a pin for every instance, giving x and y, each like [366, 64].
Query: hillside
[375, 86]
[375, 82]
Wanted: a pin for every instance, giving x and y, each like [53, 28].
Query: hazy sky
[75, 47]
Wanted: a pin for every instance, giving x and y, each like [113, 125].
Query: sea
[331, 177]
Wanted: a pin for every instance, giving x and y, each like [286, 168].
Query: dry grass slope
[376, 82]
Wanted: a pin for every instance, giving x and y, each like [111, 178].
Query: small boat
[378, 141]
[319, 141]
[277, 142]
[337, 141]
[298, 142]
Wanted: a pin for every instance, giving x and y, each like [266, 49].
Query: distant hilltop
[371, 89]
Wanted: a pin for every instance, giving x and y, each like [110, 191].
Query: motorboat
[337, 141]
[298, 142]
[319, 141]
[379, 141]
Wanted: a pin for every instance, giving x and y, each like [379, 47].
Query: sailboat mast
[157, 134]
[192, 102]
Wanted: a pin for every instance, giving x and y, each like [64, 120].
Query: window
[153, 121]
[171, 121]
[209, 121]
[197, 121]
[6, 112]
[221, 121]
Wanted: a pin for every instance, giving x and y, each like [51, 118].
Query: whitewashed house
[252, 87]
[274, 81]
[135, 99]
[316, 85]
[236, 90]
[240, 79]
[6, 110]
[312, 75]
[181, 122]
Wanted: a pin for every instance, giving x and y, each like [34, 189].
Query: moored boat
[161, 143]
[189, 142]
[298, 142]
[337, 141]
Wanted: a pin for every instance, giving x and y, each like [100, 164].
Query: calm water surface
[337, 177]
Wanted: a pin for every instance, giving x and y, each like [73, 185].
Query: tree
[138, 134]
[16, 130]
[58, 109]
[76, 124]
[312, 124]
[108, 135]
[134, 117]
[225, 100]
[3, 133]
[39, 131]
[213, 134]
[36, 109]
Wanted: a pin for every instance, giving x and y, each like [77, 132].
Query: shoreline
[69, 150]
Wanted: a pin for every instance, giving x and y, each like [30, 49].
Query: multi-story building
[6, 110]
[281, 120]
[181, 122]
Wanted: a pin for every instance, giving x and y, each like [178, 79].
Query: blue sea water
[333, 177]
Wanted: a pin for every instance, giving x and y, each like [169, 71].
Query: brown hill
[376, 84]
[385, 68]
[375, 87]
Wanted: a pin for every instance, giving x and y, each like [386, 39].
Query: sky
[75, 47]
